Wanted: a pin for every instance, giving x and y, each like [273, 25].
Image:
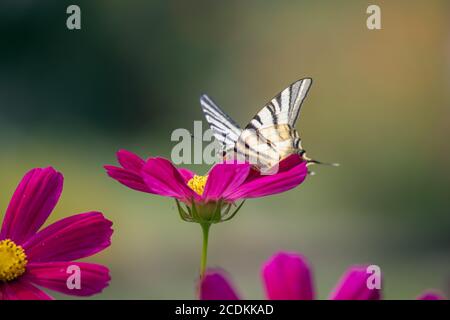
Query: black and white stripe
[270, 135]
[297, 94]
[225, 129]
[284, 108]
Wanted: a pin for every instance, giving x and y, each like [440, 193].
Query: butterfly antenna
[312, 161]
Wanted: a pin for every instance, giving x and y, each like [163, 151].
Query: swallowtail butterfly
[270, 136]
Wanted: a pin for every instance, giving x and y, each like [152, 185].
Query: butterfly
[269, 137]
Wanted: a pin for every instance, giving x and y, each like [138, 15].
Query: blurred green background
[379, 105]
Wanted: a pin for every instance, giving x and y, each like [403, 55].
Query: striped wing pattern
[268, 146]
[283, 108]
[225, 129]
[270, 136]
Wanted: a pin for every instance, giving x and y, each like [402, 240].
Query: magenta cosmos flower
[225, 182]
[287, 276]
[209, 198]
[30, 258]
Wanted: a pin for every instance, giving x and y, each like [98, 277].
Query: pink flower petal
[164, 179]
[223, 179]
[32, 202]
[215, 286]
[186, 173]
[265, 185]
[290, 162]
[72, 238]
[128, 178]
[431, 295]
[130, 161]
[130, 174]
[353, 286]
[21, 290]
[56, 276]
[284, 165]
[287, 276]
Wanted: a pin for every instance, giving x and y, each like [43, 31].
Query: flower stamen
[13, 260]
[197, 183]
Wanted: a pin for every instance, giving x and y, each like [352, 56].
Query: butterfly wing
[284, 108]
[225, 129]
[271, 136]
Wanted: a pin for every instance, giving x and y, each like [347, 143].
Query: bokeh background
[379, 105]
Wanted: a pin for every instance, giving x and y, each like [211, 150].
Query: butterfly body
[269, 137]
[266, 147]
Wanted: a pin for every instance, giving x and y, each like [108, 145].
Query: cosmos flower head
[31, 257]
[210, 197]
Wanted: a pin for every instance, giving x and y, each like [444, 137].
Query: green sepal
[207, 214]
[217, 216]
[183, 214]
[234, 212]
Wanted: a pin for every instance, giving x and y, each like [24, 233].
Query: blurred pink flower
[287, 276]
[225, 183]
[30, 258]
[431, 295]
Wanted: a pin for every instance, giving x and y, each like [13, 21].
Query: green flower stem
[203, 261]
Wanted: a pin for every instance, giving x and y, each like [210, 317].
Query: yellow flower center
[13, 260]
[197, 183]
